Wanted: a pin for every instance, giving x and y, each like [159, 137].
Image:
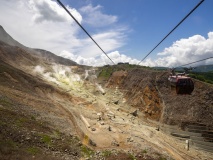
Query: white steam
[39, 69]
[90, 75]
[61, 75]
[100, 88]
[64, 77]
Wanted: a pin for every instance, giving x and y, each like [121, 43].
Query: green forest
[203, 76]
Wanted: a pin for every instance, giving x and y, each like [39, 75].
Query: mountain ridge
[199, 68]
[6, 38]
[39, 53]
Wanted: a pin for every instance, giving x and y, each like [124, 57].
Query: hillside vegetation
[203, 76]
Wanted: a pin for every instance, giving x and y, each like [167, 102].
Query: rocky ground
[150, 92]
[52, 108]
[42, 120]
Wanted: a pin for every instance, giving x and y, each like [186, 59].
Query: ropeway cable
[194, 62]
[186, 65]
[173, 29]
[84, 29]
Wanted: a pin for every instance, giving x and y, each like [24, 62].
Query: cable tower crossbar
[83, 29]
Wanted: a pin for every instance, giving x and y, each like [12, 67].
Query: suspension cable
[185, 65]
[194, 62]
[83, 29]
[173, 29]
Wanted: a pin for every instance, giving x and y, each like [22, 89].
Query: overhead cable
[83, 29]
[185, 65]
[173, 30]
[194, 62]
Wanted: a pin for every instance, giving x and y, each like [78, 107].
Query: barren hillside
[52, 108]
[151, 93]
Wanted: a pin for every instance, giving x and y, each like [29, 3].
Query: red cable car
[182, 83]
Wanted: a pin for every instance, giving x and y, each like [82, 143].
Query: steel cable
[173, 30]
[83, 29]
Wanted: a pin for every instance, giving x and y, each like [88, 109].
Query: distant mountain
[203, 68]
[16, 56]
[11, 47]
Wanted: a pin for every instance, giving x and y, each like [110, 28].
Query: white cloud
[117, 57]
[99, 60]
[186, 51]
[81, 60]
[181, 52]
[107, 40]
[44, 24]
[47, 10]
[51, 33]
[95, 17]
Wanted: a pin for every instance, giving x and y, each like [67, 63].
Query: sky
[127, 30]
